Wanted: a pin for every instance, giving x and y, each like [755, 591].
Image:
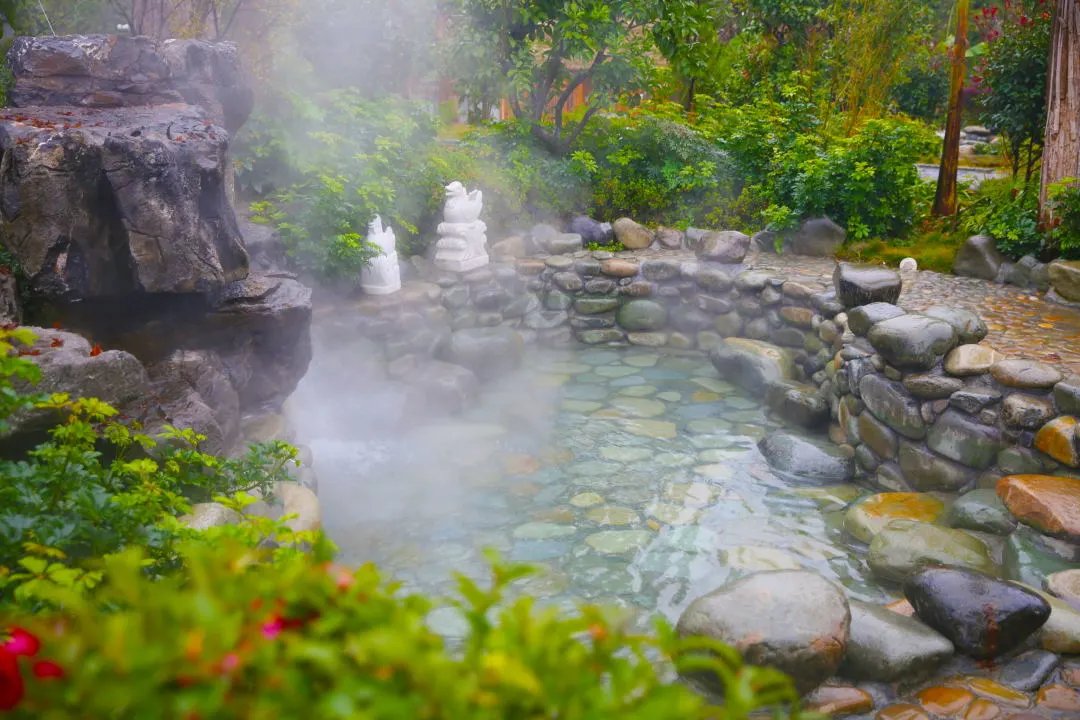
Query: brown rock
[1065, 585]
[982, 710]
[1026, 374]
[839, 700]
[902, 711]
[1058, 439]
[901, 607]
[971, 360]
[948, 701]
[616, 267]
[1048, 503]
[797, 316]
[632, 235]
[1059, 697]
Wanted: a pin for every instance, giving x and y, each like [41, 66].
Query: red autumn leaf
[57, 343]
[95, 351]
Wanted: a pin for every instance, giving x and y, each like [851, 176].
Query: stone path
[1021, 322]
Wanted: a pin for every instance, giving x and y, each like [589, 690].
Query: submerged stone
[799, 456]
[752, 364]
[981, 510]
[869, 516]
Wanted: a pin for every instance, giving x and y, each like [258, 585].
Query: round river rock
[757, 616]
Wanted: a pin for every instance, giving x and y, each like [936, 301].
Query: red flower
[22, 642]
[273, 627]
[47, 670]
[1024, 20]
[993, 11]
[12, 688]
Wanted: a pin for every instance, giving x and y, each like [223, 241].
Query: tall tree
[1061, 150]
[547, 50]
[945, 199]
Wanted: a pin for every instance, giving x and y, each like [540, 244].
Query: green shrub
[236, 637]
[867, 182]
[97, 486]
[1064, 235]
[1007, 211]
[648, 165]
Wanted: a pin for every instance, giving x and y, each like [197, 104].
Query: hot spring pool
[630, 477]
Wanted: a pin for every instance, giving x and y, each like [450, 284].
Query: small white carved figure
[383, 275]
[462, 242]
[909, 265]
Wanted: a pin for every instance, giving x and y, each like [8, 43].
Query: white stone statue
[382, 276]
[462, 242]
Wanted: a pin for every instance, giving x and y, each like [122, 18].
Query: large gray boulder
[802, 457]
[979, 257]
[592, 231]
[632, 235]
[105, 203]
[865, 284]
[792, 620]
[488, 352]
[819, 237]
[191, 389]
[111, 71]
[727, 246]
[752, 364]
[1065, 277]
[912, 342]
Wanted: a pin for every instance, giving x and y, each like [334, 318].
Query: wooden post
[1061, 149]
[945, 200]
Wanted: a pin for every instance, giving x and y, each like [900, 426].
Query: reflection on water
[631, 477]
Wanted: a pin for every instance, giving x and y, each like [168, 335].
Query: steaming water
[630, 477]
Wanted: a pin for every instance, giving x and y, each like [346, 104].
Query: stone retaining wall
[913, 397]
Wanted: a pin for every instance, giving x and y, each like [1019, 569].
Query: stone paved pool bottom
[629, 477]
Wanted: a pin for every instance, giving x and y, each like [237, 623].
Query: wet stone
[965, 440]
[932, 385]
[753, 614]
[1025, 374]
[983, 616]
[877, 436]
[595, 306]
[969, 360]
[904, 547]
[1026, 412]
[973, 400]
[799, 456]
[867, 517]
[642, 315]
[891, 404]
[912, 342]
[838, 701]
[902, 711]
[861, 319]
[1065, 585]
[1067, 395]
[864, 284]
[797, 403]
[969, 327]
[1030, 557]
[1060, 439]
[982, 511]
[1059, 697]
[1047, 503]
[945, 701]
[885, 646]
[1028, 670]
[927, 471]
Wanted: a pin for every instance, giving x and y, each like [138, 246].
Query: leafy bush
[1064, 235]
[867, 182]
[350, 160]
[97, 486]
[235, 637]
[1012, 74]
[647, 165]
[1007, 211]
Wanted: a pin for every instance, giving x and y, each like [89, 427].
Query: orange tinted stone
[1071, 674]
[982, 709]
[996, 691]
[1057, 439]
[901, 607]
[902, 711]
[1046, 502]
[839, 700]
[948, 701]
[1059, 697]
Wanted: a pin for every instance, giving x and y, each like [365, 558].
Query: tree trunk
[1061, 149]
[945, 200]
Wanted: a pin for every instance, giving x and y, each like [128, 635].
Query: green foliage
[1064, 205]
[234, 636]
[97, 486]
[648, 166]
[923, 92]
[867, 182]
[1012, 75]
[1007, 211]
[345, 161]
[786, 20]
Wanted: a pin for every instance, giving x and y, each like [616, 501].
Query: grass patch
[933, 249]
